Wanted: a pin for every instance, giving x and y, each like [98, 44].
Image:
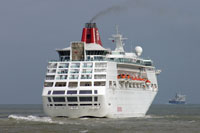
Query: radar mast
[118, 39]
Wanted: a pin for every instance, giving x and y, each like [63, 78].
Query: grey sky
[30, 31]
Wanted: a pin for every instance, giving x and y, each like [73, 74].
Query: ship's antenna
[131, 48]
[118, 39]
[117, 28]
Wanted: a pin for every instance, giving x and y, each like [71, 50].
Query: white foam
[151, 117]
[34, 119]
[84, 131]
[84, 118]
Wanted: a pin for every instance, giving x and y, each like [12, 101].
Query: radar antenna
[118, 39]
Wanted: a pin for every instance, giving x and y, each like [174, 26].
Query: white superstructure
[89, 80]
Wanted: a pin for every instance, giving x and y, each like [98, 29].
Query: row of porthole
[58, 92]
[72, 99]
[73, 105]
[74, 84]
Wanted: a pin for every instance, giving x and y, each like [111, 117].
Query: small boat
[179, 99]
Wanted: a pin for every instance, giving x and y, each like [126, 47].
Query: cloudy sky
[31, 30]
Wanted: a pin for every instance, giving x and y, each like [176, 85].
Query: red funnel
[91, 34]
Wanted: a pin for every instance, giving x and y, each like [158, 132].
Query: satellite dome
[138, 50]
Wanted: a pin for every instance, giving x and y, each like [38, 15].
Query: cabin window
[95, 99]
[59, 104]
[49, 99]
[60, 84]
[73, 84]
[75, 65]
[62, 71]
[114, 83]
[72, 104]
[51, 70]
[110, 83]
[50, 77]
[86, 76]
[85, 84]
[85, 104]
[63, 65]
[73, 77]
[87, 71]
[72, 99]
[48, 84]
[99, 70]
[100, 64]
[52, 65]
[99, 83]
[87, 65]
[49, 92]
[58, 92]
[71, 92]
[58, 99]
[74, 71]
[61, 77]
[85, 92]
[99, 76]
[85, 99]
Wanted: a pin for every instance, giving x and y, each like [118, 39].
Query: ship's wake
[32, 118]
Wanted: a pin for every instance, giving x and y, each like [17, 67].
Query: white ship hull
[115, 103]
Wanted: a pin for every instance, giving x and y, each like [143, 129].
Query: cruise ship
[89, 80]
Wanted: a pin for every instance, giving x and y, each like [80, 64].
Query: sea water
[159, 119]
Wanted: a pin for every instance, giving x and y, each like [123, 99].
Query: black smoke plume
[106, 11]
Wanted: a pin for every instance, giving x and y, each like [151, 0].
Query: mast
[118, 39]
